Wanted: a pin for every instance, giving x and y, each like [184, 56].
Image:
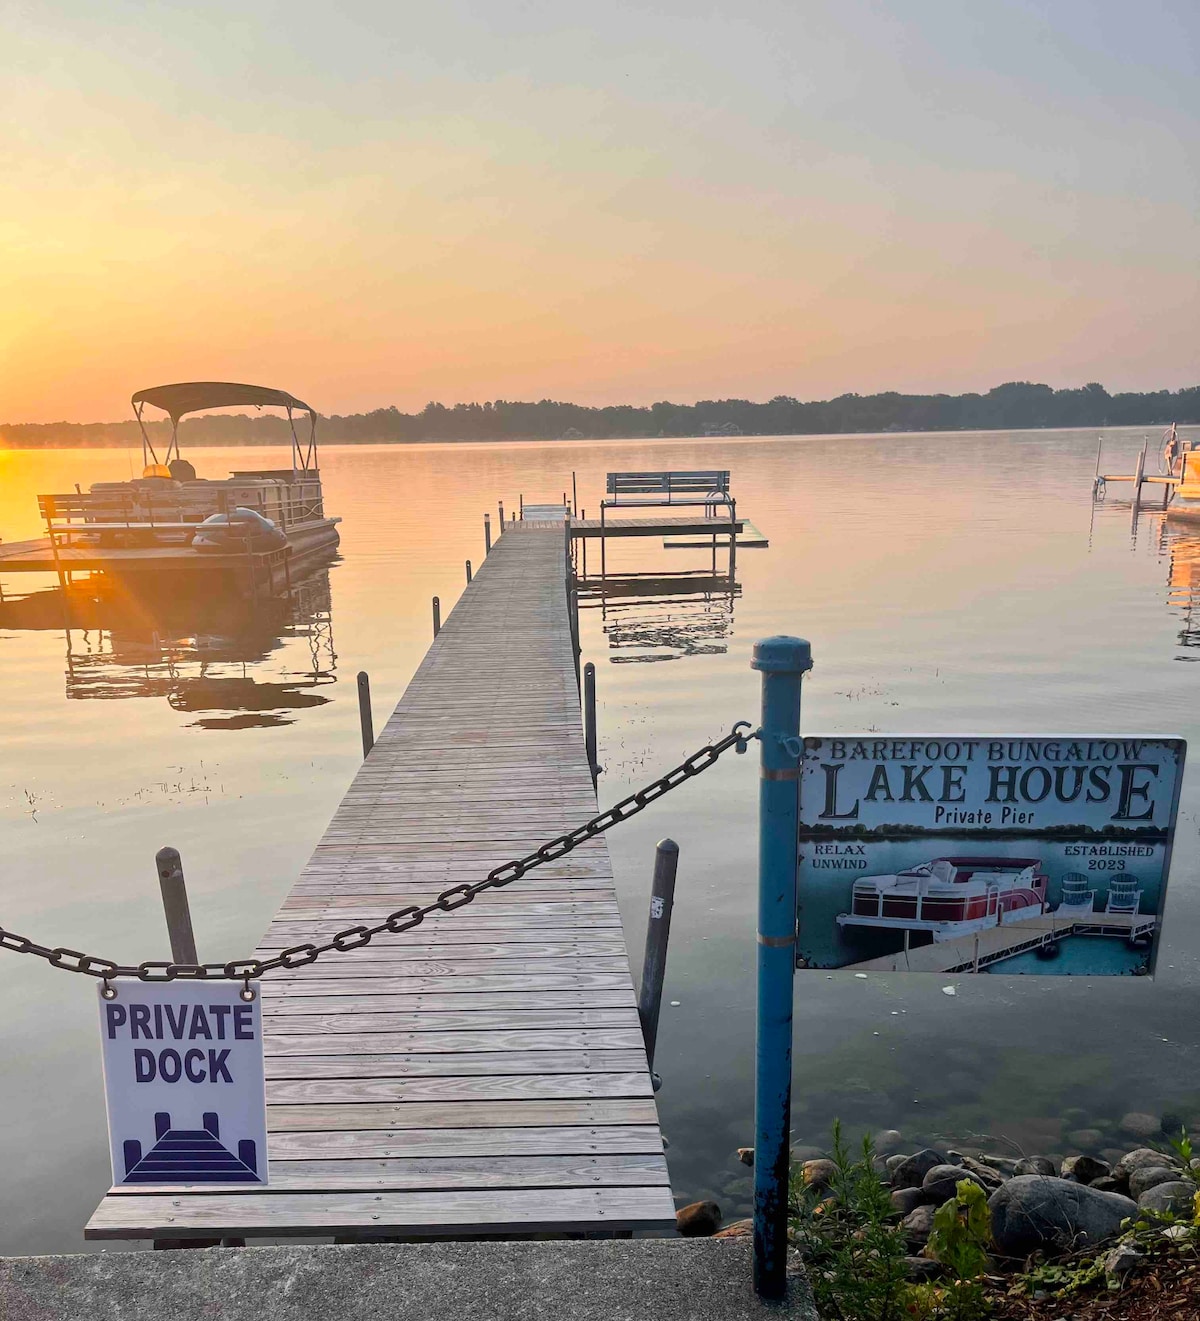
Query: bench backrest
[715, 481]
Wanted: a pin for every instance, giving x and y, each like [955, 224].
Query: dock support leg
[175, 905]
[658, 932]
[589, 720]
[782, 661]
[500, 506]
[365, 719]
[487, 534]
[468, 573]
[437, 616]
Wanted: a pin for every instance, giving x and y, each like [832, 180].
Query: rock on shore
[1032, 1211]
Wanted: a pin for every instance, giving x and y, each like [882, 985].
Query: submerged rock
[911, 1172]
[888, 1140]
[1139, 1125]
[893, 1163]
[1086, 1139]
[1033, 1211]
[1175, 1198]
[1085, 1169]
[746, 1155]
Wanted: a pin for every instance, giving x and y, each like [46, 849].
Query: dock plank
[484, 1072]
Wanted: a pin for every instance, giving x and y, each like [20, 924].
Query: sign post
[183, 1082]
[782, 661]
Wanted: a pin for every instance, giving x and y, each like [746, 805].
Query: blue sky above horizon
[390, 204]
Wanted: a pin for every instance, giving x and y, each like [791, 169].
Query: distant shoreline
[260, 442]
[1015, 406]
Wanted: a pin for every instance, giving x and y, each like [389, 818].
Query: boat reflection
[655, 617]
[234, 663]
[1183, 583]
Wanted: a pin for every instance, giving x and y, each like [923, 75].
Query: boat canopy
[193, 396]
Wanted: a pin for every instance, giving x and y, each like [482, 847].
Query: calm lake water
[948, 583]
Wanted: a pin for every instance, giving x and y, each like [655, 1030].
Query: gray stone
[526, 1281]
[1035, 1165]
[1121, 1260]
[1032, 1212]
[911, 1173]
[698, 1219]
[1147, 1177]
[1004, 1165]
[1108, 1185]
[893, 1163]
[941, 1183]
[888, 1141]
[920, 1269]
[739, 1229]
[905, 1200]
[1085, 1169]
[1141, 1158]
[1140, 1125]
[1175, 1198]
[918, 1224]
[987, 1176]
[1086, 1139]
[1172, 1123]
[818, 1173]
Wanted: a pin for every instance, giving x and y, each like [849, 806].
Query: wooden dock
[485, 1073]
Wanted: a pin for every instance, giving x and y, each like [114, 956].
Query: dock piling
[782, 661]
[589, 719]
[365, 718]
[468, 573]
[658, 932]
[500, 505]
[175, 905]
[487, 534]
[437, 616]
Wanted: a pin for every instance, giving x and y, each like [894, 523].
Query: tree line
[1018, 405]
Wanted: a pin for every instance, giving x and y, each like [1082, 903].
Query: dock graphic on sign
[183, 1081]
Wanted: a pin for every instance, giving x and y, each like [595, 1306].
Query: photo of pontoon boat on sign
[950, 897]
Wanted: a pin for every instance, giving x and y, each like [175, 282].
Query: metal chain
[403, 919]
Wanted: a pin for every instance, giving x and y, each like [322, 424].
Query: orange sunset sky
[377, 203]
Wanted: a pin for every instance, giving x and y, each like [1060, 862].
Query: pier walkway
[483, 1074]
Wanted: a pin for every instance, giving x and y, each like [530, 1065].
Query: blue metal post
[782, 661]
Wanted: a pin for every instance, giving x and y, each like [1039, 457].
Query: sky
[382, 202]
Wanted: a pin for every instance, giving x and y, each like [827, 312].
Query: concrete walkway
[621, 1280]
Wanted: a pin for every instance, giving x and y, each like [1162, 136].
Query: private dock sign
[950, 854]
[183, 1081]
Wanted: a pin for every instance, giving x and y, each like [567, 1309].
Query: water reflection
[235, 663]
[651, 617]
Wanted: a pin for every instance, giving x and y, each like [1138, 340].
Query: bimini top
[191, 396]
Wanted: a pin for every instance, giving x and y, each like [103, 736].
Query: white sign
[183, 1081]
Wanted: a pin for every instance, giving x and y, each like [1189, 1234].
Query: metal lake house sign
[955, 854]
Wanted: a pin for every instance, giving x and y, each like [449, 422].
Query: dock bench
[708, 487]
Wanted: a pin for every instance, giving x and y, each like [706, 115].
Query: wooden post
[522, 500]
[574, 495]
[437, 616]
[658, 932]
[175, 905]
[487, 534]
[365, 719]
[1137, 480]
[589, 719]
[468, 573]
[501, 506]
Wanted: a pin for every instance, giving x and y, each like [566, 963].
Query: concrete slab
[621, 1280]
